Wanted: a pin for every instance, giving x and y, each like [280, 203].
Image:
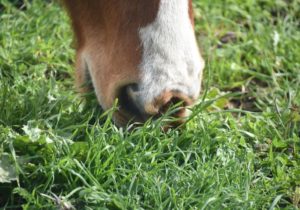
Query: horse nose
[136, 109]
[166, 100]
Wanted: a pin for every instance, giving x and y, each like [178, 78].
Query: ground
[240, 149]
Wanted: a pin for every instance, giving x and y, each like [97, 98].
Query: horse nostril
[167, 100]
[174, 102]
[133, 110]
[127, 103]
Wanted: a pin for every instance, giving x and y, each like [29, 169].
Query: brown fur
[107, 30]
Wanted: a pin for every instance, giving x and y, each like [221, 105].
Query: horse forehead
[150, 9]
[139, 13]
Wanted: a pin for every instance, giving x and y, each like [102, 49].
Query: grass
[240, 149]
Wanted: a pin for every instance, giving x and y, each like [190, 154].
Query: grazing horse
[142, 52]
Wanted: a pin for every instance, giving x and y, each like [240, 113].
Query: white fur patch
[171, 58]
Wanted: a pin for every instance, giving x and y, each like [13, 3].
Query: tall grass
[238, 150]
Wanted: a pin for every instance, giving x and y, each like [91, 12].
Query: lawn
[240, 149]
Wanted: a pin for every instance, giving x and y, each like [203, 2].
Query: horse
[143, 53]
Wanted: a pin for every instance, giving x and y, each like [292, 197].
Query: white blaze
[171, 59]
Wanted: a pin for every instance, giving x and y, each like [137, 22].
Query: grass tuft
[239, 149]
